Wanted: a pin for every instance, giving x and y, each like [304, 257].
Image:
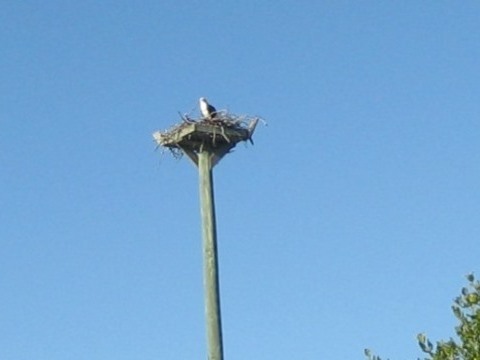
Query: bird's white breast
[204, 108]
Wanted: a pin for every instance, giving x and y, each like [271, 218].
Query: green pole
[210, 262]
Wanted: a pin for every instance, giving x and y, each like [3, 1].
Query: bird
[208, 111]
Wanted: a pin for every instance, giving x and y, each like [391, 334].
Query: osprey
[207, 110]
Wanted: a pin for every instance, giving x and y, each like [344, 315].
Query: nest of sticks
[224, 128]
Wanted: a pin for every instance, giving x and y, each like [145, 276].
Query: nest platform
[217, 136]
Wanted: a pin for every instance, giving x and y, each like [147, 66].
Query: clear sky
[349, 224]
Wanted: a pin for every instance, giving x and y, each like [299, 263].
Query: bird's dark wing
[211, 110]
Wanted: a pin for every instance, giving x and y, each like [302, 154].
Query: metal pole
[210, 262]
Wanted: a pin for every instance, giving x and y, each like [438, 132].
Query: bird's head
[202, 99]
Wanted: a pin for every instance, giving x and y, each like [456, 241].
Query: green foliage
[466, 309]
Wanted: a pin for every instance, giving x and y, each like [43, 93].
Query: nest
[225, 130]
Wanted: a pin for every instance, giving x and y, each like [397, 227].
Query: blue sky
[350, 224]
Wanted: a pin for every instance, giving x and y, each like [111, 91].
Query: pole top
[217, 136]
